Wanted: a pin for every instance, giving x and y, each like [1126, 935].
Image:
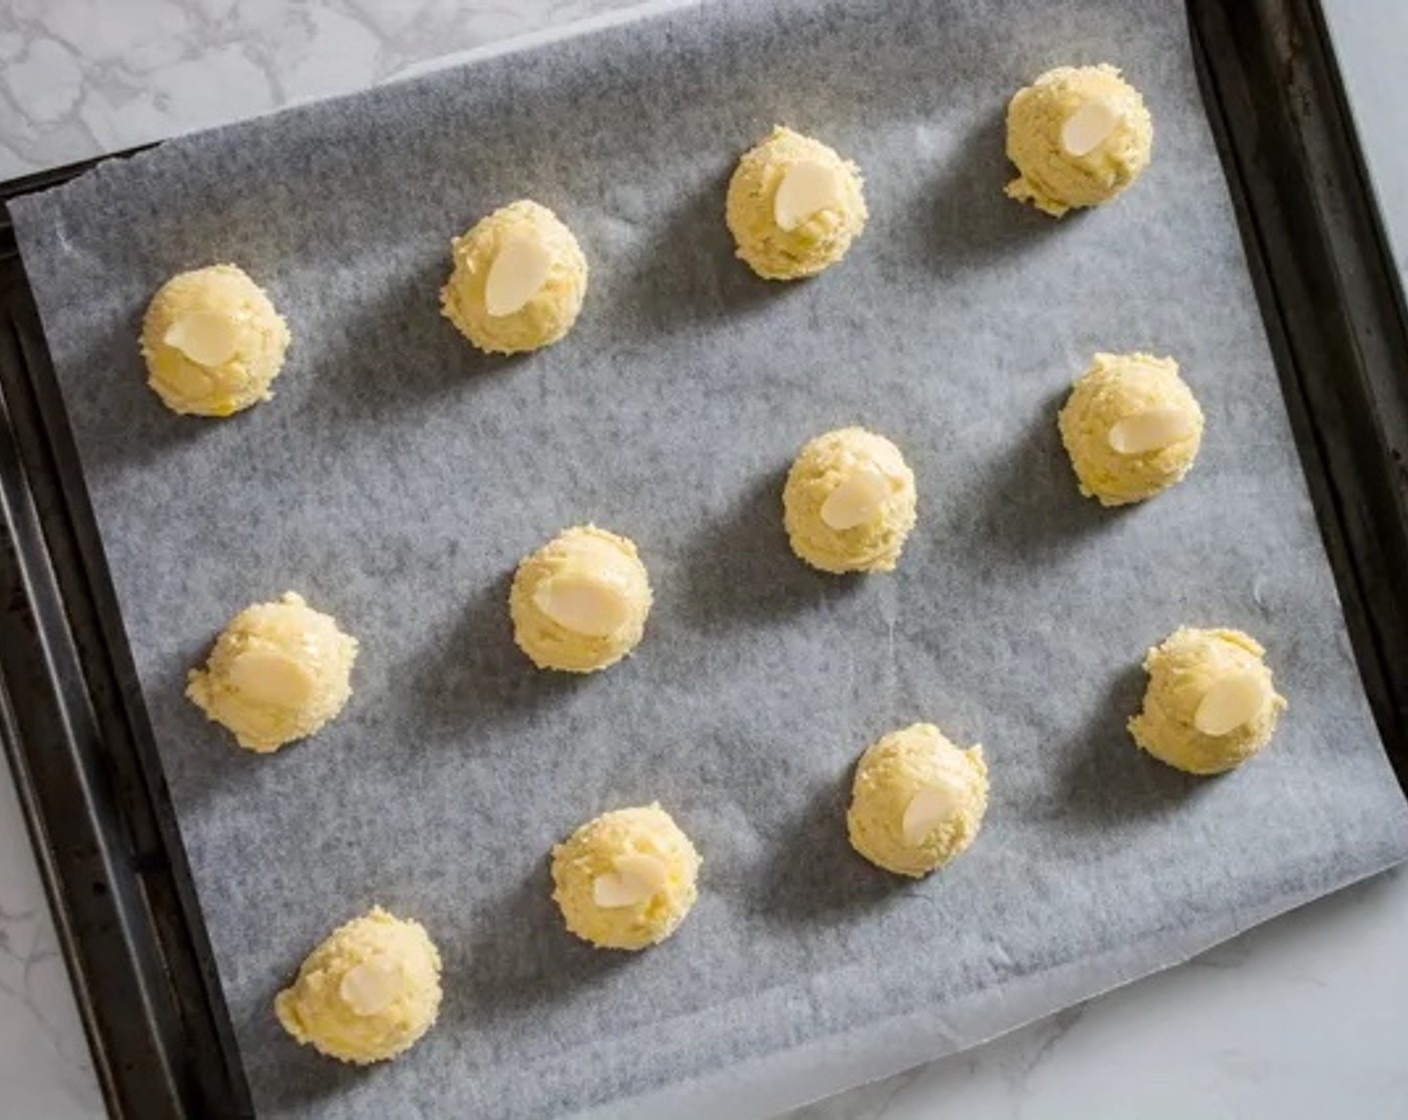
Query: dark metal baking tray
[73, 720]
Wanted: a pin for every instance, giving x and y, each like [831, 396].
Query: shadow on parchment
[969, 220]
[1028, 505]
[296, 1077]
[1103, 778]
[386, 349]
[307, 1079]
[126, 422]
[390, 349]
[198, 755]
[522, 957]
[813, 873]
[741, 569]
[689, 273]
[478, 674]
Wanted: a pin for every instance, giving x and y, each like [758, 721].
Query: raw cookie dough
[794, 206]
[580, 602]
[367, 993]
[1210, 704]
[626, 879]
[849, 502]
[518, 281]
[212, 342]
[1079, 136]
[1131, 426]
[918, 801]
[278, 672]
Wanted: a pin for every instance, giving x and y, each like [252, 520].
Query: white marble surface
[1302, 1018]
[44, 1066]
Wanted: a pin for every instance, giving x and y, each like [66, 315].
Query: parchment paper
[397, 477]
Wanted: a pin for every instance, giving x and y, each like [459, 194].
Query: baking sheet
[397, 477]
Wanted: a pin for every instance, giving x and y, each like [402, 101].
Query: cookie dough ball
[1132, 428]
[1079, 136]
[213, 342]
[918, 801]
[278, 672]
[849, 502]
[518, 282]
[794, 206]
[625, 880]
[367, 993]
[580, 602]
[1210, 704]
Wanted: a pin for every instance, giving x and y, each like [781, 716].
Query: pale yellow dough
[917, 801]
[212, 341]
[1117, 394]
[1053, 178]
[279, 671]
[1182, 672]
[625, 880]
[580, 602]
[852, 458]
[367, 993]
[551, 309]
[817, 242]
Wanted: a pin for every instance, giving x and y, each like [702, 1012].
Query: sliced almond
[1232, 702]
[518, 272]
[206, 337]
[591, 603]
[1150, 430]
[368, 988]
[927, 809]
[637, 876]
[857, 500]
[645, 868]
[808, 186]
[270, 677]
[1088, 127]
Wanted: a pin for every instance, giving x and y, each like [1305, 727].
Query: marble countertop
[1304, 1017]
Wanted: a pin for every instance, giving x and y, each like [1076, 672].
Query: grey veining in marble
[44, 1066]
[85, 76]
[1302, 1018]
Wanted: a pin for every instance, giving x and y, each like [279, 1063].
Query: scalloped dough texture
[580, 602]
[279, 672]
[788, 230]
[1078, 136]
[626, 879]
[369, 992]
[917, 800]
[1131, 426]
[1210, 704]
[849, 502]
[546, 274]
[213, 342]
